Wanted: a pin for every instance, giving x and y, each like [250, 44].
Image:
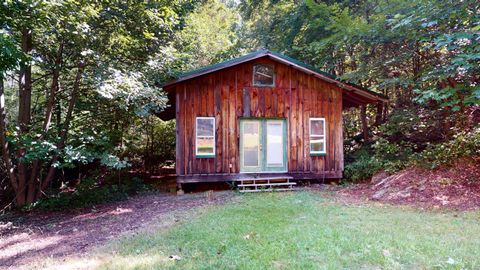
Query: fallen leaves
[448, 186]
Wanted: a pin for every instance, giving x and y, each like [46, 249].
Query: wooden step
[266, 190]
[268, 184]
[261, 183]
[264, 178]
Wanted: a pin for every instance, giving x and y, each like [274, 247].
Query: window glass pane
[250, 157]
[263, 75]
[250, 128]
[317, 127]
[205, 127]
[251, 144]
[205, 145]
[317, 145]
[274, 144]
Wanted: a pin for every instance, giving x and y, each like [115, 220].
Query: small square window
[263, 75]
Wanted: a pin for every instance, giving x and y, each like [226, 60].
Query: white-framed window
[205, 137]
[318, 138]
[263, 75]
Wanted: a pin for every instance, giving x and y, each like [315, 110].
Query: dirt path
[29, 238]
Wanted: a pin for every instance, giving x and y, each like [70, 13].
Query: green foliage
[362, 168]
[463, 144]
[164, 140]
[90, 193]
[155, 145]
[114, 162]
[95, 69]
[208, 35]
[10, 56]
[131, 92]
[426, 50]
[394, 156]
[402, 123]
[409, 138]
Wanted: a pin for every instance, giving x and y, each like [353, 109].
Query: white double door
[263, 145]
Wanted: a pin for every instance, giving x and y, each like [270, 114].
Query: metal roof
[285, 60]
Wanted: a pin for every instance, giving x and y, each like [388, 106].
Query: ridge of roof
[264, 52]
[249, 56]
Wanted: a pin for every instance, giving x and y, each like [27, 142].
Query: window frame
[324, 136]
[263, 85]
[204, 155]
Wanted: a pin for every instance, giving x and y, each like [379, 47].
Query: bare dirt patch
[452, 187]
[31, 237]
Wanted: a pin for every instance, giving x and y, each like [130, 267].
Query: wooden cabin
[261, 116]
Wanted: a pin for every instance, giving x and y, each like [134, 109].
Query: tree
[413, 51]
[9, 58]
[209, 35]
[72, 50]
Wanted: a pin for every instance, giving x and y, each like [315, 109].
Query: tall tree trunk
[34, 183]
[379, 115]
[363, 118]
[66, 125]
[3, 139]
[25, 84]
[385, 106]
[24, 114]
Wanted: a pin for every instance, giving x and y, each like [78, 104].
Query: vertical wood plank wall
[228, 95]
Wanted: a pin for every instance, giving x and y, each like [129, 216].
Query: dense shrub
[407, 140]
[90, 192]
[152, 143]
[361, 169]
[464, 144]
[361, 165]
[164, 141]
[393, 156]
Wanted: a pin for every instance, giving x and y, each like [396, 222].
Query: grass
[304, 230]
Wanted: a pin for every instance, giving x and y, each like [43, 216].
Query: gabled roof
[352, 88]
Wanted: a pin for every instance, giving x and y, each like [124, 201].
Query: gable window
[317, 137]
[205, 137]
[263, 75]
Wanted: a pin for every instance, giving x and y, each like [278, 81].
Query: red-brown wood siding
[228, 95]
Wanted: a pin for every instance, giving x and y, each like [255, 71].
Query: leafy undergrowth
[89, 193]
[301, 230]
[456, 185]
[406, 141]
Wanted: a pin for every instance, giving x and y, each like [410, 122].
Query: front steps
[265, 184]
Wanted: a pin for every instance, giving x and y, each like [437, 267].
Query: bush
[361, 165]
[464, 144]
[393, 156]
[89, 193]
[361, 169]
[153, 148]
[415, 136]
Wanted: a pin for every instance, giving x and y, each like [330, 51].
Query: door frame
[263, 168]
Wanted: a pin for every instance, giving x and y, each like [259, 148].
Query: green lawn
[303, 230]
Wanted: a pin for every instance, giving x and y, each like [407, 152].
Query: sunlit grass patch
[302, 230]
